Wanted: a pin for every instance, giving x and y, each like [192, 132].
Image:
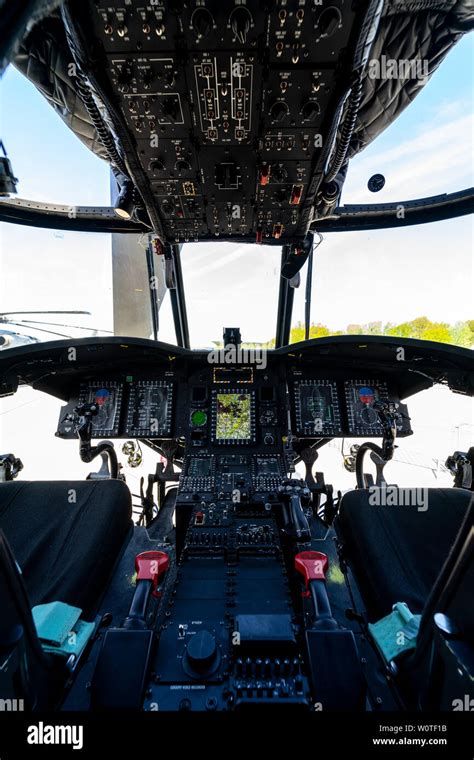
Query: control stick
[82, 419]
[389, 416]
[296, 525]
[150, 566]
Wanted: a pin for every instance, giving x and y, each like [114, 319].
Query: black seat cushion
[65, 535]
[397, 552]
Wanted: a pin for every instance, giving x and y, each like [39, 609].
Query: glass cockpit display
[233, 416]
[360, 398]
[107, 397]
[317, 408]
[149, 409]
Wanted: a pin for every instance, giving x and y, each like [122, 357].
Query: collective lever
[313, 566]
[150, 566]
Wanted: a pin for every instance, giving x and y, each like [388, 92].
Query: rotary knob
[278, 111]
[240, 21]
[202, 655]
[157, 165]
[328, 21]
[310, 110]
[279, 173]
[202, 22]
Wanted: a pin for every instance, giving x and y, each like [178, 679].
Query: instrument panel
[211, 409]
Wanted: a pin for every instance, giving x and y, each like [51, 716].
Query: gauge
[317, 408]
[267, 416]
[107, 396]
[150, 409]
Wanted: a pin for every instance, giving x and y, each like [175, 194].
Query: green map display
[233, 416]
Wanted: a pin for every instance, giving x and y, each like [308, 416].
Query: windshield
[383, 282]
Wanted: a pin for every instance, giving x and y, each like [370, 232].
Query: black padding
[65, 535]
[397, 552]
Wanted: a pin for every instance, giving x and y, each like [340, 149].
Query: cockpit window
[425, 151]
[231, 285]
[399, 282]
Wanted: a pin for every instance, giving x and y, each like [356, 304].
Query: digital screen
[233, 416]
[360, 397]
[149, 410]
[317, 408]
[233, 375]
[268, 466]
[200, 467]
[107, 397]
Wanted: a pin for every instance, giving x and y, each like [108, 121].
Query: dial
[267, 417]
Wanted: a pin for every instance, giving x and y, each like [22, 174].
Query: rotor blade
[5, 313]
[40, 329]
[59, 324]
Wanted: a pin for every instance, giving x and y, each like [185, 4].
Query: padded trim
[65, 548]
[397, 552]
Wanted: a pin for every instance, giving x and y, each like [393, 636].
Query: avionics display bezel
[163, 429]
[334, 429]
[232, 441]
[85, 390]
[354, 427]
[194, 458]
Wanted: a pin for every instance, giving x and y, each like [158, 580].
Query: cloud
[434, 160]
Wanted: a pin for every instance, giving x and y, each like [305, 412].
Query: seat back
[23, 664]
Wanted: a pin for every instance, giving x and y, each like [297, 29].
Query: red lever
[150, 565]
[312, 566]
[264, 175]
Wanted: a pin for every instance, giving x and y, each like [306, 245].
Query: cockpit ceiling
[225, 120]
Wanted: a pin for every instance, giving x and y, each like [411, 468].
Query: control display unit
[200, 467]
[107, 396]
[233, 416]
[317, 408]
[150, 408]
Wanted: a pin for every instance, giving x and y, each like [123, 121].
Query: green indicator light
[129, 379]
[198, 418]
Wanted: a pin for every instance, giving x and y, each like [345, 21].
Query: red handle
[150, 565]
[312, 566]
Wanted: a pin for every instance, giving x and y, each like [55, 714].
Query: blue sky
[428, 150]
